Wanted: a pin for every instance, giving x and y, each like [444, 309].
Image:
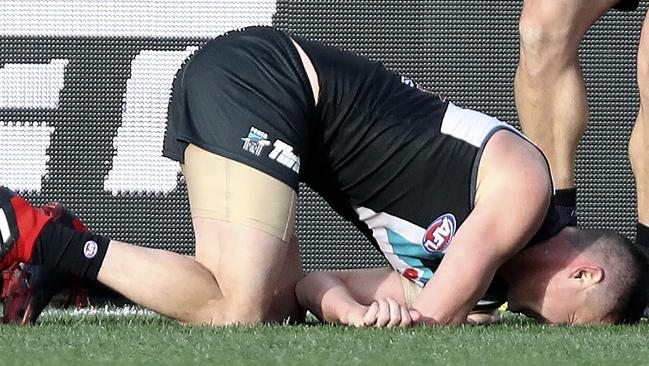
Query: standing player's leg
[549, 86]
[639, 143]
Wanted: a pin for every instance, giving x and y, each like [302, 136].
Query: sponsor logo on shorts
[255, 142]
[283, 154]
[90, 249]
[439, 234]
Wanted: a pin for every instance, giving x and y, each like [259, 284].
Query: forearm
[435, 309]
[326, 296]
[450, 296]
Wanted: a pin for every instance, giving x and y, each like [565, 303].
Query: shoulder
[512, 161]
[514, 182]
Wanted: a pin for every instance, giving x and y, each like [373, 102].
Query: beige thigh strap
[410, 290]
[224, 189]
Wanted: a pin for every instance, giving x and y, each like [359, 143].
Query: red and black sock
[70, 251]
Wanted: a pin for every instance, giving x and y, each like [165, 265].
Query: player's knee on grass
[247, 311]
[232, 311]
[285, 306]
[241, 243]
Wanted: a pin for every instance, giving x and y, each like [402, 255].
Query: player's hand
[388, 313]
[355, 316]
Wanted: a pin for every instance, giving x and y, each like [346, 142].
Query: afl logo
[439, 234]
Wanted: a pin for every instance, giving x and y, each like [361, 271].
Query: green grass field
[101, 337]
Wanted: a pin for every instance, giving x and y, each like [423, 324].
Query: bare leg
[241, 272]
[247, 264]
[549, 86]
[285, 305]
[639, 144]
[244, 225]
[180, 288]
[165, 282]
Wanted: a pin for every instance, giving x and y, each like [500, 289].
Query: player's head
[581, 276]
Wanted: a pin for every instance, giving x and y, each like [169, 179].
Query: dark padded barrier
[466, 50]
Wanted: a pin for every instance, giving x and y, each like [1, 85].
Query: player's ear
[588, 275]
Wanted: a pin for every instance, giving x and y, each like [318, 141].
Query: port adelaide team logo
[255, 141]
[282, 152]
[439, 234]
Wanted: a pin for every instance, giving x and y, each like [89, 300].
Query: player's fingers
[406, 320]
[383, 317]
[415, 316]
[395, 312]
[355, 316]
[371, 314]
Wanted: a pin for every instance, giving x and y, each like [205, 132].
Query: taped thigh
[227, 190]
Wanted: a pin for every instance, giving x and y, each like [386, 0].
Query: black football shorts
[245, 96]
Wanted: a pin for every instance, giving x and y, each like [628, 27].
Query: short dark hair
[625, 293]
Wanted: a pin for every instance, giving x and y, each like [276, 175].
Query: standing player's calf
[639, 143]
[551, 93]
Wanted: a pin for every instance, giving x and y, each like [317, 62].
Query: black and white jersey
[399, 162]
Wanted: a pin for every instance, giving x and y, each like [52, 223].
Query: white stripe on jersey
[469, 125]
[381, 220]
[473, 127]
[380, 223]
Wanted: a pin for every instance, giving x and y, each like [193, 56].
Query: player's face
[558, 303]
[543, 297]
[545, 313]
[569, 315]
